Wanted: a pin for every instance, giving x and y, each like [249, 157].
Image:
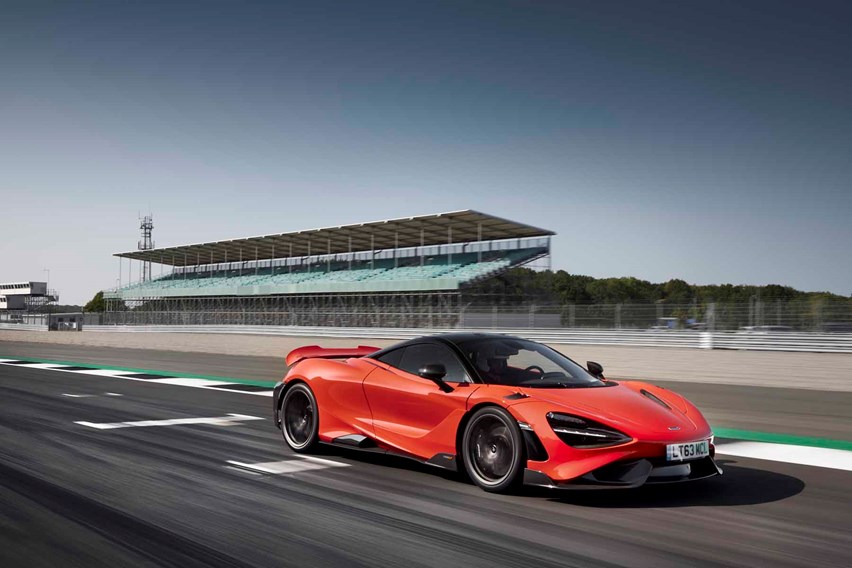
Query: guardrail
[24, 326]
[759, 341]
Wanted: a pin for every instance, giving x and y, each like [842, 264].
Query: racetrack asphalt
[804, 412]
[167, 496]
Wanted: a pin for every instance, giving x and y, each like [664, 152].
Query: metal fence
[791, 326]
[448, 311]
[740, 340]
[751, 316]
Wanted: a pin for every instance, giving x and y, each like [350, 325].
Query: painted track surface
[71, 495]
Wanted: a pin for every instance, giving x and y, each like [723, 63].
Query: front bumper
[631, 473]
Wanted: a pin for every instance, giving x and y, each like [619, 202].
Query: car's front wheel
[300, 418]
[493, 450]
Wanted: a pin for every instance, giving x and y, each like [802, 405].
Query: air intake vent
[655, 398]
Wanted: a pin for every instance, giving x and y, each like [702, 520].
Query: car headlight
[584, 433]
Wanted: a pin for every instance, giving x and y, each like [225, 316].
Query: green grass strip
[269, 384]
[782, 439]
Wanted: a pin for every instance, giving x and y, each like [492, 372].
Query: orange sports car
[504, 410]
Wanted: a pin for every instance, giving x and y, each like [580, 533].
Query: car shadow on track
[738, 486]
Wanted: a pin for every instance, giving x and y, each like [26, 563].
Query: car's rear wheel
[493, 450]
[300, 418]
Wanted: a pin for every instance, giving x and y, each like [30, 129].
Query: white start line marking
[303, 463]
[210, 384]
[801, 455]
[229, 420]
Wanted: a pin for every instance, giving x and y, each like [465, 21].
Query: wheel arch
[279, 397]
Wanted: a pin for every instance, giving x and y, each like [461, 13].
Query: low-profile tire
[493, 450]
[300, 418]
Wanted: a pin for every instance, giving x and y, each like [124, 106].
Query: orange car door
[412, 414]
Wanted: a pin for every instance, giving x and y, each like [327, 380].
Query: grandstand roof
[426, 230]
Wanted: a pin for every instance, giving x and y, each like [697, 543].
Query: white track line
[229, 420]
[307, 463]
[187, 382]
[99, 372]
[69, 395]
[802, 455]
[209, 384]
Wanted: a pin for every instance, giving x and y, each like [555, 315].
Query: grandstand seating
[438, 272]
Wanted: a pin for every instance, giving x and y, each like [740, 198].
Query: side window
[392, 358]
[415, 356]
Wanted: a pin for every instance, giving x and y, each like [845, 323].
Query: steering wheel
[534, 368]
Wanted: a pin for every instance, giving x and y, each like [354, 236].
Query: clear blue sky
[703, 140]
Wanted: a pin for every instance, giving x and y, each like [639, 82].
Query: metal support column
[449, 244]
[479, 241]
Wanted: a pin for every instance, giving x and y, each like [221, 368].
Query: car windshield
[522, 363]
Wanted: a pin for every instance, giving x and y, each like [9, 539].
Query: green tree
[677, 291]
[571, 288]
[96, 304]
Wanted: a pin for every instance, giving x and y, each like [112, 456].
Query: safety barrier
[759, 341]
[23, 326]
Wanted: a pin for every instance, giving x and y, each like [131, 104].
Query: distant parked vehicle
[765, 329]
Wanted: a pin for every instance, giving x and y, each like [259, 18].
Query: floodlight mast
[146, 243]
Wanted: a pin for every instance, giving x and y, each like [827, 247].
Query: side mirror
[435, 372]
[595, 369]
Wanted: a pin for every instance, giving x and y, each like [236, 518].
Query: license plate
[688, 451]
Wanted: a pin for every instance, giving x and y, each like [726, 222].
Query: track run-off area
[112, 457]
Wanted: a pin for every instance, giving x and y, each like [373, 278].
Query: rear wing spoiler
[317, 352]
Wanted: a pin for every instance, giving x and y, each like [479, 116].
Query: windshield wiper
[553, 385]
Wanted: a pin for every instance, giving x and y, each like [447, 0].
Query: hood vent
[516, 396]
[655, 398]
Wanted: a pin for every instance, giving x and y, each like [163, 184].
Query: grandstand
[400, 272]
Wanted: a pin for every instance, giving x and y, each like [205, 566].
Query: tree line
[525, 286]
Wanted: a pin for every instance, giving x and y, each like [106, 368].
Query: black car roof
[463, 336]
[453, 338]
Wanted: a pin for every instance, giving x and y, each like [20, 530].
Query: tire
[493, 450]
[300, 418]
